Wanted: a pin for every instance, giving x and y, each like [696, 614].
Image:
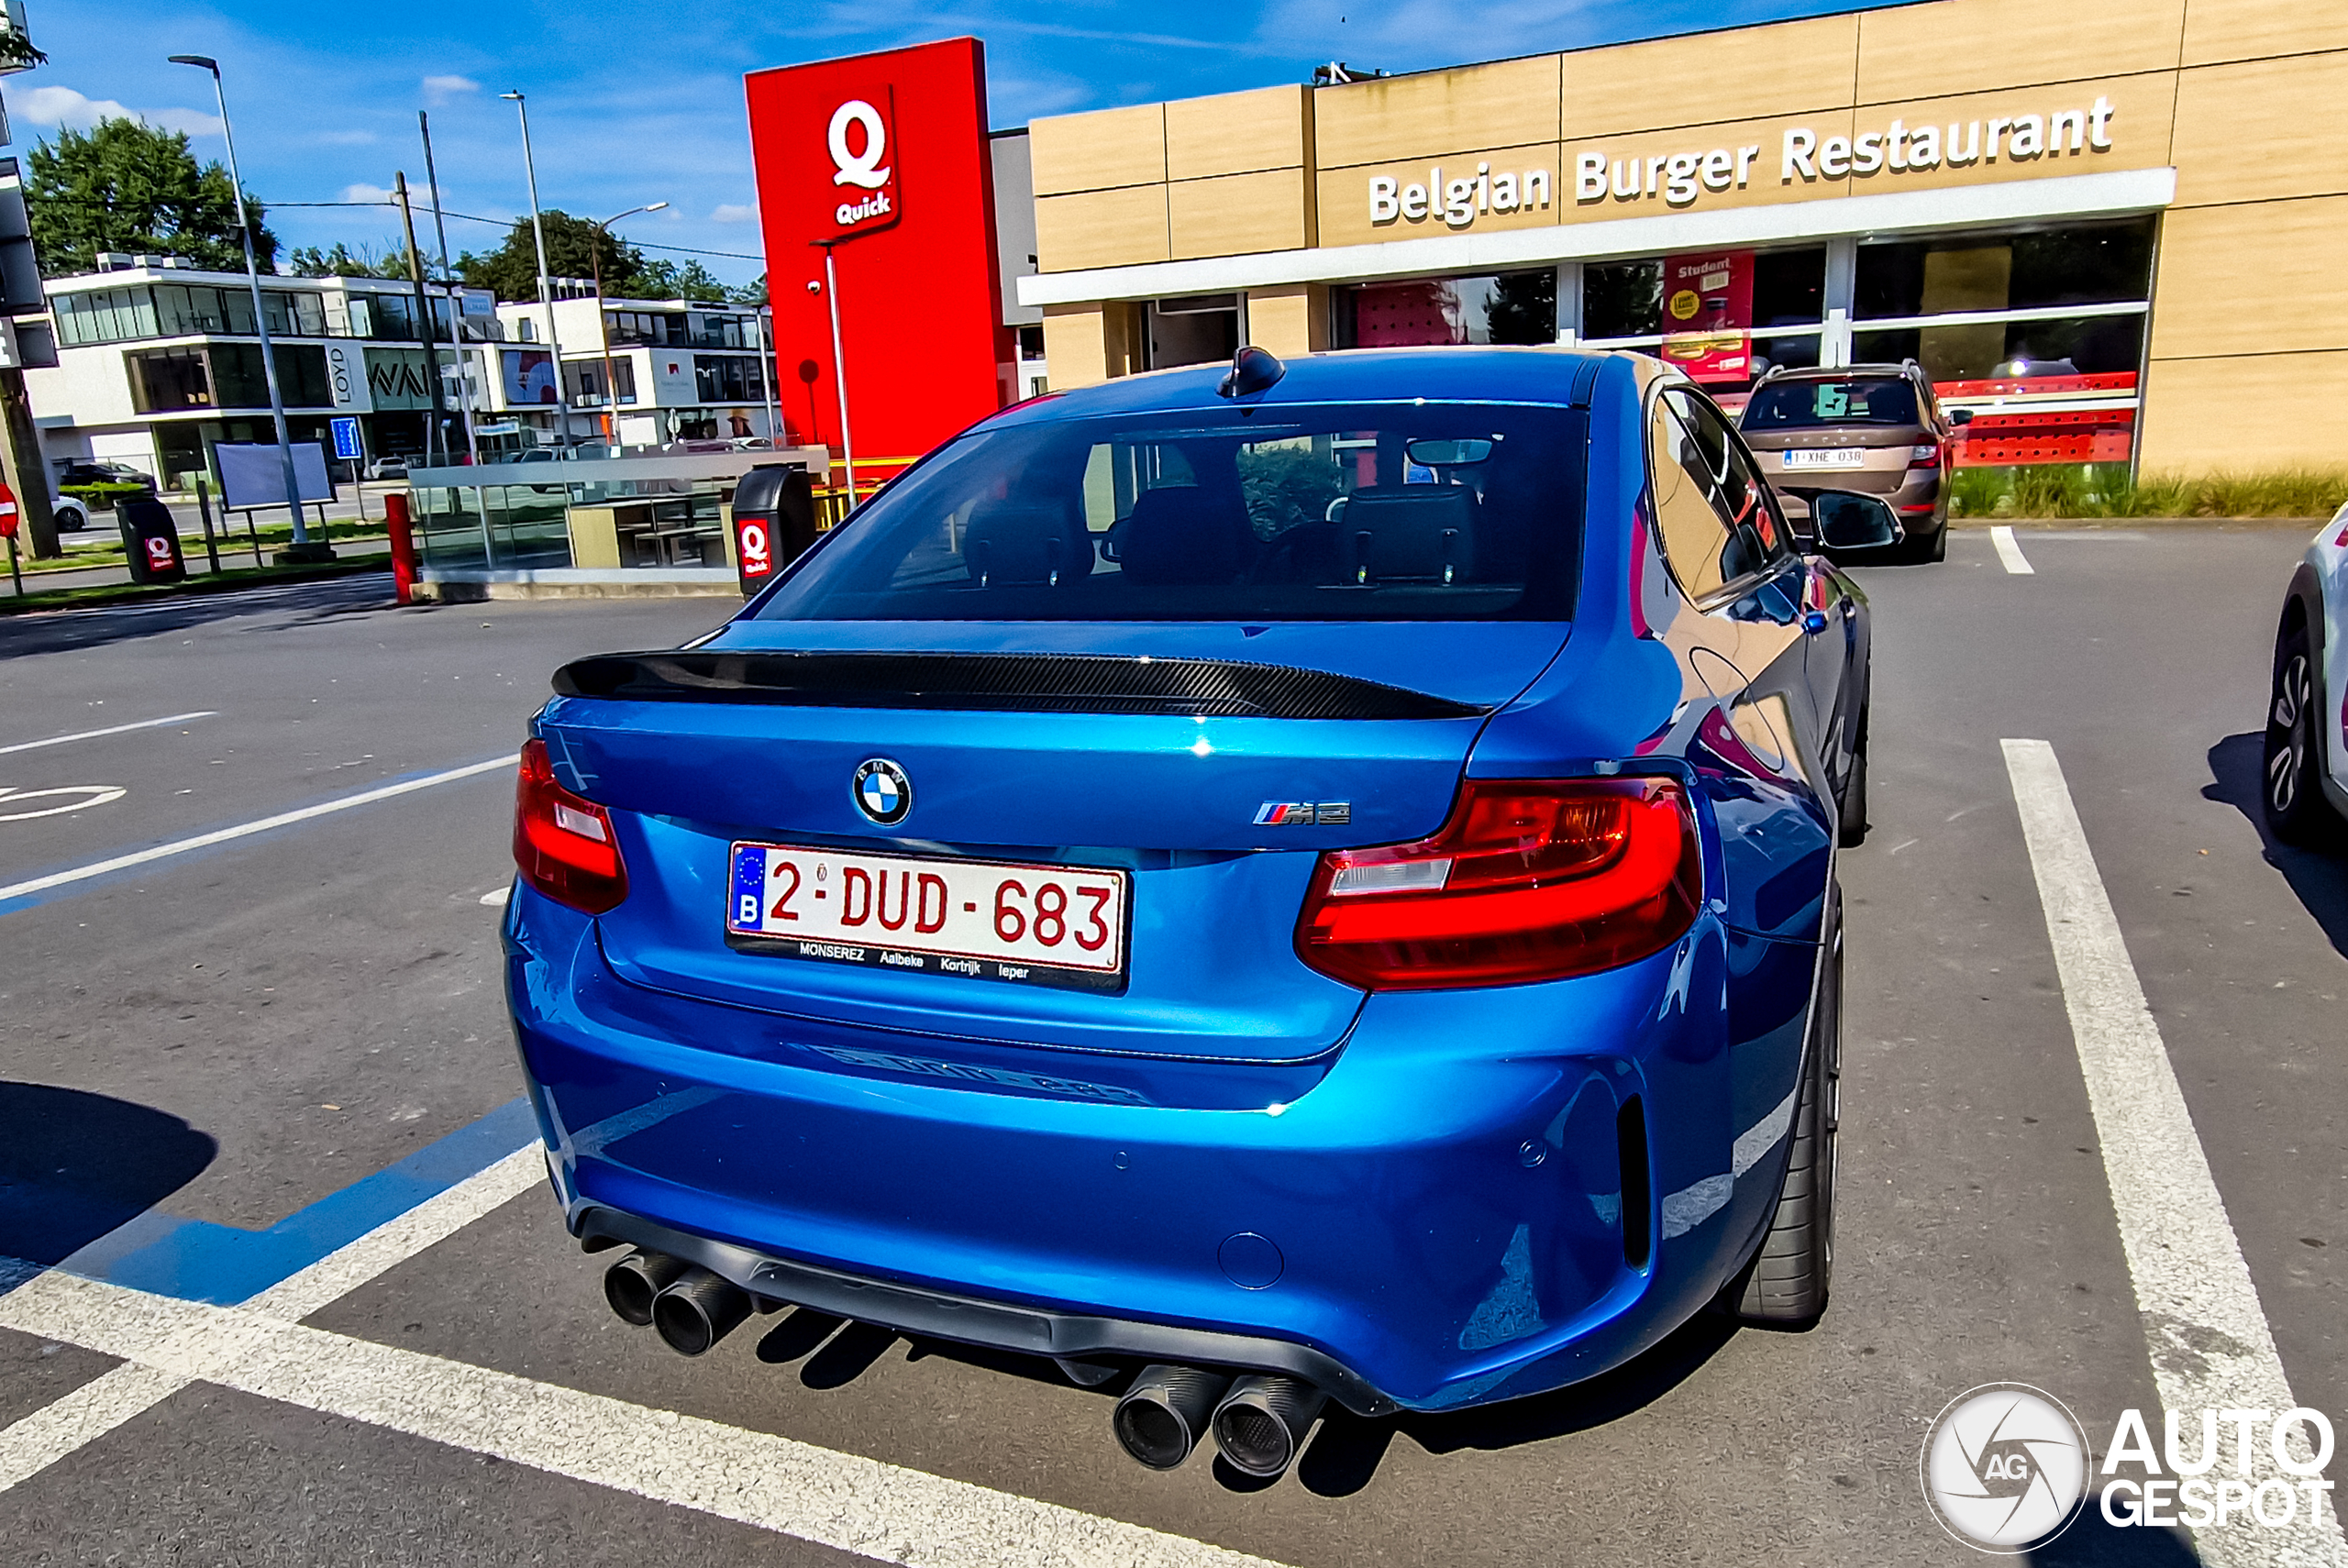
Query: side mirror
[1851, 521]
[1960, 416]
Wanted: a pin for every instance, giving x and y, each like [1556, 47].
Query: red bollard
[402, 545]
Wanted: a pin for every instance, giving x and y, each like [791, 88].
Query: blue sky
[631, 105]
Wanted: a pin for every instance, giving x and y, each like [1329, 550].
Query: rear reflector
[1528, 881]
[563, 842]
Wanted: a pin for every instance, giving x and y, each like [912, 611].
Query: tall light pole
[604, 332]
[303, 547]
[447, 281]
[545, 289]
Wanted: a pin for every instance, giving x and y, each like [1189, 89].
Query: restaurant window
[1505, 307]
[2067, 301]
[1203, 329]
[1712, 314]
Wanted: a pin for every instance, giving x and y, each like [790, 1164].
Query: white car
[2306, 789]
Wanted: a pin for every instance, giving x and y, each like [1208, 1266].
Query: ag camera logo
[2005, 1468]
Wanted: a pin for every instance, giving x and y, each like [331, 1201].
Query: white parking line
[246, 829]
[2211, 1347]
[38, 1440]
[112, 729]
[2009, 551]
[852, 1504]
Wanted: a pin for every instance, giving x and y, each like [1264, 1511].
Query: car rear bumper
[1438, 1219]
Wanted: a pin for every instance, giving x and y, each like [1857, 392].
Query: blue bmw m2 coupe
[1309, 883]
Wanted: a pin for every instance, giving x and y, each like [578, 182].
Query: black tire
[2291, 781]
[1787, 1284]
[1939, 551]
[1851, 809]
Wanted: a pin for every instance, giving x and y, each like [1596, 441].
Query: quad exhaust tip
[1168, 1409]
[631, 1284]
[697, 1309]
[1262, 1422]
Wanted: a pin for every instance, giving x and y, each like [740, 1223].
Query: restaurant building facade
[2114, 231]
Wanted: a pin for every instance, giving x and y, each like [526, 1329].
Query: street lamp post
[304, 548]
[603, 335]
[545, 289]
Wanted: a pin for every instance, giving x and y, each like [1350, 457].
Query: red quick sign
[862, 141]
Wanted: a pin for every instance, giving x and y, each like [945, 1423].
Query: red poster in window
[1708, 314]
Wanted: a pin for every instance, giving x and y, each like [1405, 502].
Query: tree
[573, 247]
[667, 280]
[367, 261]
[128, 187]
[752, 292]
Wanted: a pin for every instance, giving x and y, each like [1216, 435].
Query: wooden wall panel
[1095, 151]
[1291, 320]
[2258, 277]
[1100, 228]
[1976, 46]
[2255, 132]
[1236, 133]
[2204, 415]
[1238, 213]
[1074, 353]
[1789, 69]
[2219, 30]
[1507, 104]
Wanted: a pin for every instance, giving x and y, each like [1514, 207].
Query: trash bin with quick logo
[151, 539]
[774, 519]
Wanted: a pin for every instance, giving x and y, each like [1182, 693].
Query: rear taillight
[1527, 881]
[563, 842]
[1924, 455]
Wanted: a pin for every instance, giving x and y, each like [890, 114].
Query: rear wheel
[1785, 1283]
[2292, 788]
[1939, 551]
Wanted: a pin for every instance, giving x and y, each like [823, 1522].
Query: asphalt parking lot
[334, 1316]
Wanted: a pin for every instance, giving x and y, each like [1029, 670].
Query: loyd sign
[860, 139]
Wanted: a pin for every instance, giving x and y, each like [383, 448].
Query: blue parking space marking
[198, 1261]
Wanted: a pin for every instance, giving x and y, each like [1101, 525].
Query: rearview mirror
[1960, 416]
[1847, 521]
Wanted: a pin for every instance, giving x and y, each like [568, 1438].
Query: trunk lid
[1055, 745]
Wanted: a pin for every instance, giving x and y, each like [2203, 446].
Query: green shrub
[2104, 489]
[102, 497]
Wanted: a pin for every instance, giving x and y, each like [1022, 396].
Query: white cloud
[65, 107]
[364, 192]
[732, 212]
[346, 138]
[440, 88]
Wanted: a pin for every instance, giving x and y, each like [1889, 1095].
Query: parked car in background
[1874, 429]
[390, 465]
[1310, 884]
[2305, 791]
[105, 474]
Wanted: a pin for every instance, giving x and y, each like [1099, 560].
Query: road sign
[8, 512]
[346, 437]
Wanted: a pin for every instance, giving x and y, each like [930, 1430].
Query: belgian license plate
[991, 919]
[1826, 457]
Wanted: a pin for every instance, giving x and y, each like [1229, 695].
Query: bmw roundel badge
[882, 792]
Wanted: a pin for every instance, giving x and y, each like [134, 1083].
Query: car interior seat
[1413, 533]
[1183, 533]
[1026, 542]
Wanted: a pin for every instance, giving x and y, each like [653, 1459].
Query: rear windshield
[1798, 406]
[1379, 512]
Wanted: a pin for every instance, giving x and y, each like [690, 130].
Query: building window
[588, 382]
[105, 316]
[164, 380]
[1201, 330]
[2042, 303]
[1507, 307]
[726, 380]
[1031, 342]
[1712, 312]
[239, 382]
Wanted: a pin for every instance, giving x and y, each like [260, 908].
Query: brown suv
[1876, 429]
